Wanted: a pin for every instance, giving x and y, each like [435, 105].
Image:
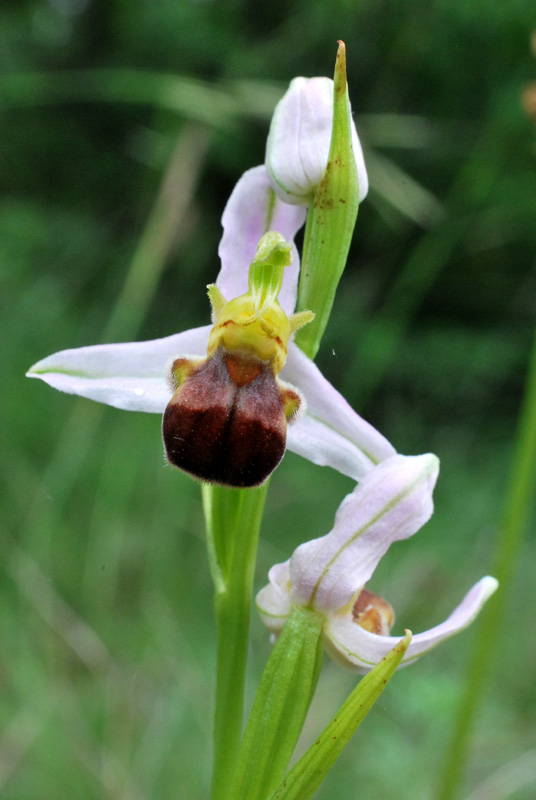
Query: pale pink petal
[251, 211]
[326, 405]
[393, 500]
[357, 649]
[312, 439]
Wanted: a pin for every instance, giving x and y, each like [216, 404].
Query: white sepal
[251, 211]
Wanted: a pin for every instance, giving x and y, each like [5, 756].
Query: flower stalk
[233, 519]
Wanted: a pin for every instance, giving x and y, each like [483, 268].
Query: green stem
[518, 504]
[233, 518]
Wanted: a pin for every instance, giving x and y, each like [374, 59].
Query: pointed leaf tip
[339, 78]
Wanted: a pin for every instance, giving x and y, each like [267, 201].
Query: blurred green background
[123, 129]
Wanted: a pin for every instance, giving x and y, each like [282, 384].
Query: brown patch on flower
[373, 613]
[227, 421]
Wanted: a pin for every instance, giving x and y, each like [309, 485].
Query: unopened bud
[297, 149]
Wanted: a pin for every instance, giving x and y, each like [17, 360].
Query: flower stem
[233, 519]
[518, 505]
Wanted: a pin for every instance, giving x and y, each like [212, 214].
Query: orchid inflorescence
[229, 390]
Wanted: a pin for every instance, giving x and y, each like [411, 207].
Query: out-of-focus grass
[107, 652]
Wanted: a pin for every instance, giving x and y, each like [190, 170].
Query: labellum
[227, 422]
[373, 613]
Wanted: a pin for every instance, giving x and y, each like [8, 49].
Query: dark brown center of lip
[226, 422]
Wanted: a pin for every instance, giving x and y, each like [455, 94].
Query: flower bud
[298, 143]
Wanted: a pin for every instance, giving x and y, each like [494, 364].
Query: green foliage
[283, 697]
[303, 780]
[107, 631]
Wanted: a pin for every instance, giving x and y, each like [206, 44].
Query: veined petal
[357, 649]
[273, 600]
[251, 211]
[345, 438]
[131, 376]
[391, 503]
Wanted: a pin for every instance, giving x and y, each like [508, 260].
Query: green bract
[330, 219]
[283, 697]
[308, 773]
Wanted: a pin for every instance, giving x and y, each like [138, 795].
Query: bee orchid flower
[329, 574]
[144, 376]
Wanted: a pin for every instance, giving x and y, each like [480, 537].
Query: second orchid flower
[329, 574]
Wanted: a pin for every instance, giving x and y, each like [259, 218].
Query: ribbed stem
[233, 518]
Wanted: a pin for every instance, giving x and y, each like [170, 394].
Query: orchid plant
[234, 394]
